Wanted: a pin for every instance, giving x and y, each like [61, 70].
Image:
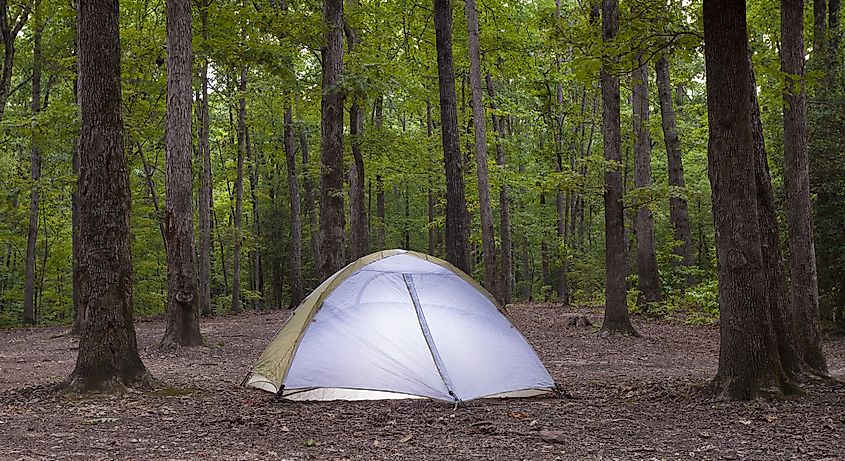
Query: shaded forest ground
[635, 399]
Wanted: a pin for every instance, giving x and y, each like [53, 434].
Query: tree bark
[205, 197]
[35, 165]
[108, 352]
[182, 307]
[805, 290]
[678, 208]
[749, 365]
[819, 26]
[359, 227]
[239, 194]
[331, 152]
[457, 222]
[647, 277]
[429, 126]
[488, 239]
[295, 214]
[310, 199]
[257, 260]
[616, 318]
[783, 319]
[9, 33]
[506, 279]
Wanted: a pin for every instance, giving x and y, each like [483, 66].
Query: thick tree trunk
[182, 307]
[506, 279]
[616, 318]
[310, 199]
[678, 209]
[488, 239]
[457, 218]
[295, 215]
[108, 352]
[239, 194]
[331, 153]
[205, 198]
[647, 277]
[805, 290]
[749, 365]
[35, 164]
[783, 320]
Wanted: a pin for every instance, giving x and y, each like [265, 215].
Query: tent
[399, 324]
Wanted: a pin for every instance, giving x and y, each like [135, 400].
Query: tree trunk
[805, 290]
[295, 214]
[239, 194]
[616, 319]
[108, 352]
[9, 33]
[544, 251]
[331, 152]
[35, 163]
[749, 366]
[359, 227]
[429, 126]
[182, 307]
[819, 27]
[678, 210]
[783, 320]
[310, 199]
[257, 271]
[647, 277]
[457, 222]
[151, 189]
[488, 239]
[506, 279]
[205, 197]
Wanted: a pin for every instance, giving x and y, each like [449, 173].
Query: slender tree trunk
[205, 197]
[749, 365]
[432, 234]
[819, 27]
[216, 226]
[783, 320]
[295, 214]
[239, 194]
[506, 279]
[310, 199]
[457, 221]
[257, 273]
[331, 153]
[151, 188]
[616, 319]
[544, 251]
[358, 223]
[678, 210]
[649, 282]
[488, 239]
[805, 290]
[9, 33]
[182, 306]
[380, 213]
[35, 164]
[108, 352]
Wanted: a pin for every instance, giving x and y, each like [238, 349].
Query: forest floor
[634, 398]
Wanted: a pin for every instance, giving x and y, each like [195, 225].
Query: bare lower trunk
[108, 352]
[457, 221]
[331, 153]
[647, 277]
[359, 227]
[678, 210]
[205, 198]
[295, 215]
[35, 165]
[182, 306]
[783, 320]
[616, 319]
[749, 366]
[488, 239]
[506, 279]
[310, 199]
[257, 260]
[805, 290]
[239, 194]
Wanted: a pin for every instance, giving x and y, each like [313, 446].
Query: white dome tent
[399, 324]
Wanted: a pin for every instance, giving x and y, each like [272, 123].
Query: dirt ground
[635, 398]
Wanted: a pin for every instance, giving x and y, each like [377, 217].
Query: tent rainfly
[399, 324]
